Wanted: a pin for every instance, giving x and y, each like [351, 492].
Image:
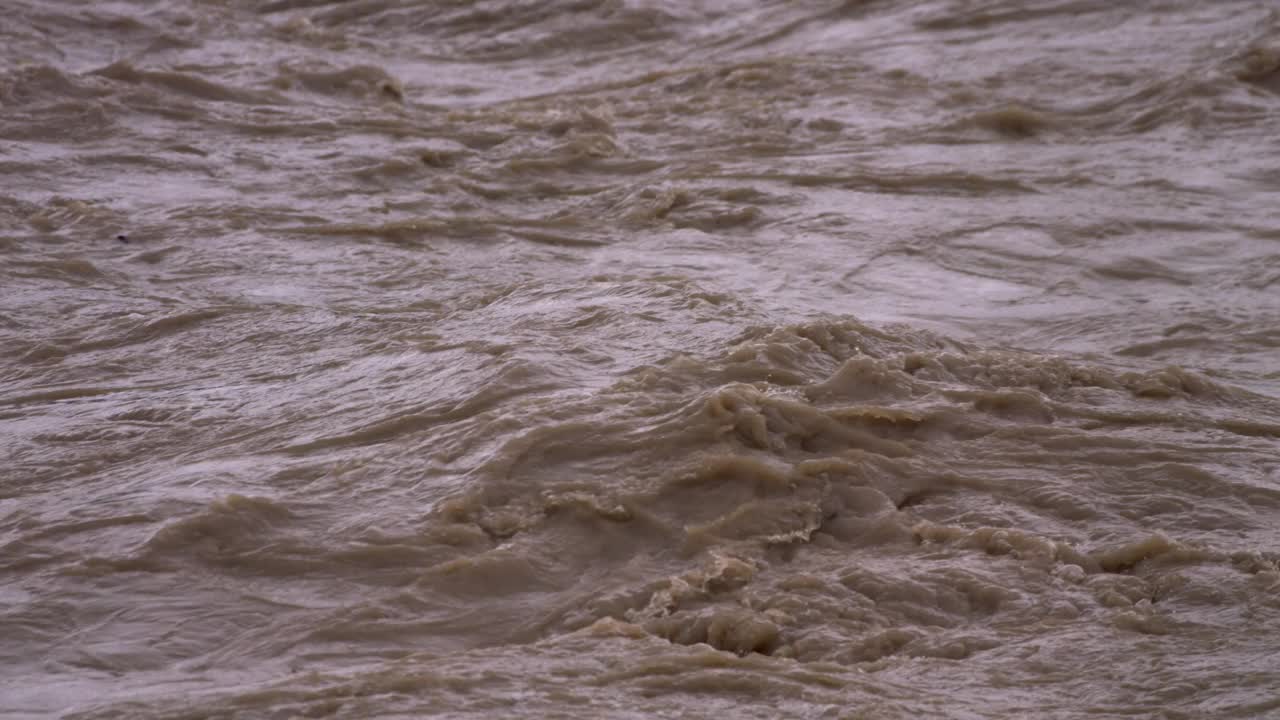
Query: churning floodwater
[639, 358]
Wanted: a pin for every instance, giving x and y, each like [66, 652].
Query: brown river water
[639, 359]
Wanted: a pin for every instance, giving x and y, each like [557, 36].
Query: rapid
[637, 358]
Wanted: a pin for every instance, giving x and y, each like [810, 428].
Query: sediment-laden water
[631, 359]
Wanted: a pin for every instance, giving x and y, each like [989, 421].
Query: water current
[639, 358]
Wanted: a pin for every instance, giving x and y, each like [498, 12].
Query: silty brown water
[405, 358]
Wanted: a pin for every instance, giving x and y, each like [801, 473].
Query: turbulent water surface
[635, 358]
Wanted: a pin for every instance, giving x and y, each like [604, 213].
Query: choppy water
[628, 358]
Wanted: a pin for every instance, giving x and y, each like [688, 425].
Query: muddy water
[404, 358]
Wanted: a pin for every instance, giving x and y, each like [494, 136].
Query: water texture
[634, 359]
